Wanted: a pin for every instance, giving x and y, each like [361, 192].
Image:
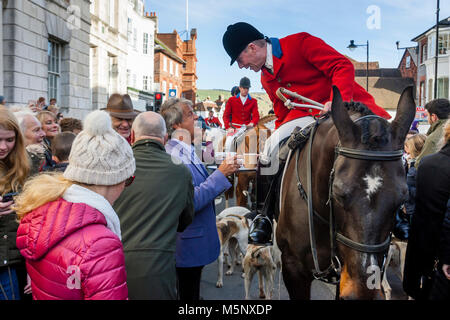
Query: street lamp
[352, 46]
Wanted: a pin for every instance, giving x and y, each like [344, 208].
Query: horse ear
[344, 125]
[406, 111]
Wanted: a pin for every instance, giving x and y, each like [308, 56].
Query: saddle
[297, 140]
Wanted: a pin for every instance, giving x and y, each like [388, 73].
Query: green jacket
[432, 143]
[158, 203]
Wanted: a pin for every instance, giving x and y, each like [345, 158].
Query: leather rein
[332, 273]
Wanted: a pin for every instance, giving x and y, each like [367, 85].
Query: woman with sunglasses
[69, 233]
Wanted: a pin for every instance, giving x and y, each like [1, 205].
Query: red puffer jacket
[70, 253]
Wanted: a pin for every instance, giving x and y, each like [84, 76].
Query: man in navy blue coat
[198, 245]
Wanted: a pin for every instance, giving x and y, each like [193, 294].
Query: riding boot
[260, 231]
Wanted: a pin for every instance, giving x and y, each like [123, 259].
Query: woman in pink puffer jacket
[69, 233]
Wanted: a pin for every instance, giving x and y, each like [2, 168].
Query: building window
[164, 87]
[134, 80]
[128, 78]
[135, 38]
[145, 49]
[408, 62]
[176, 70]
[442, 88]
[145, 83]
[130, 30]
[422, 93]
[430, 90]
[113, 72]
[165, 64]
[112, 9]
[424, 53]
[171, 67]
[443, 43]
[54, 69]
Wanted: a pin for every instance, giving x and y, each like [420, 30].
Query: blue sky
[335, 21]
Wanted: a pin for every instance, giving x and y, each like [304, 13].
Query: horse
[342, 220]
[248, 148]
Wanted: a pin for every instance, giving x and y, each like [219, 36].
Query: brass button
[288, 85]
[310, 110]
[279, 80]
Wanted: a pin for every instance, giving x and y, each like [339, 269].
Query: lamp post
[352, 46]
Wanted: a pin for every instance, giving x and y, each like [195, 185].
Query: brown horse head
[367, 192]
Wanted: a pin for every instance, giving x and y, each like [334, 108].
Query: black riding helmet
[237, 37]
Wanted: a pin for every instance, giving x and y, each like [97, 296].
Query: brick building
[385, 84]
[408, 63]
[190, 72]
[169, 63]
[183, 56]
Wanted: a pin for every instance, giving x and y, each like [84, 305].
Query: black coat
[444, 255]
[433, 191]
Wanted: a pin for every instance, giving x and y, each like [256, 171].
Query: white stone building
[108, 52]
[45, 52]
[427, 59]
[140, 60]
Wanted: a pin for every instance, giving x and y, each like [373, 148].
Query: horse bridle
[359, 154]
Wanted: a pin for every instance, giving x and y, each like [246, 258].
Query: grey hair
[172, 112]
[21, 115]
[149, 124]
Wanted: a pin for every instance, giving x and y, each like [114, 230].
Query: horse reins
[336, 236]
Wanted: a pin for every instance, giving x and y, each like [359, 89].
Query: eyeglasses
[129, 181]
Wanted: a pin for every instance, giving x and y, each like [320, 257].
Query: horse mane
[371, 136]
[266, 119]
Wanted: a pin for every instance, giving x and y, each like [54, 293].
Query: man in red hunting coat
[212, 121]
[241, 109]
[300, 63]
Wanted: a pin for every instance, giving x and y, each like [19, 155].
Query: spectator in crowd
[69, 233]
[120, 108]
[33, 139]
[52, 102]
[40, 104]
[198, 245]
[49, 125]
[159, 203]
[51, 128]
[212, 121]
[71, 125]
[440, 289]
[235, 91]
[33, 106]
[413, 146]
[441, 284]
[433, 192]
[2, 100]
[61, 146]
[14, 168]
[437, 112]
[54, 109]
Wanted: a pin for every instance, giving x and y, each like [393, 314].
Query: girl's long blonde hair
[14, 169]
[415, 144]
[39, 190]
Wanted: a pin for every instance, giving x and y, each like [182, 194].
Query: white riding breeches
[271, 147]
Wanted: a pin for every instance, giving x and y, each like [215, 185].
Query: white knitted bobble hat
[99, 155]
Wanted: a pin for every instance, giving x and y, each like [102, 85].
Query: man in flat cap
[300, 63]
